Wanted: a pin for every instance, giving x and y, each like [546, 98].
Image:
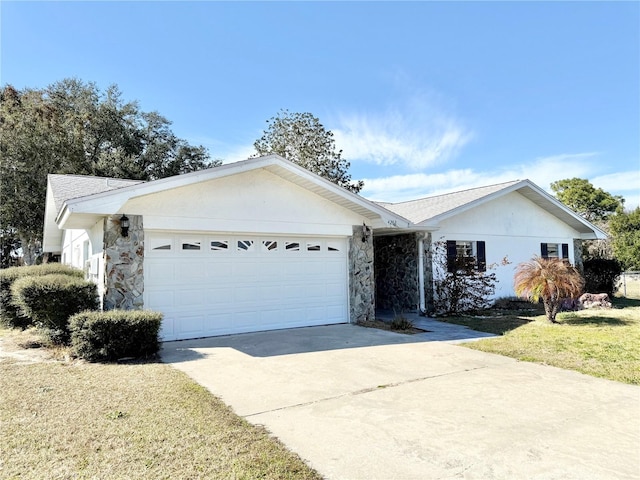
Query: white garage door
[208, 285]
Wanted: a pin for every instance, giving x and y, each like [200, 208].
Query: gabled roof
[425, 209]
[429, 211]
[67, 187]
[78, 202]
[75, 201]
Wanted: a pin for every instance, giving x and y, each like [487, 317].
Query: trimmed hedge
[115, 334]
[10, 314]
[601, 275]
[49, 301]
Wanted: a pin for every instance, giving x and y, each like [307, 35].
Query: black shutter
[565, 250]
[544, 253]
[482, 256]
[452, 254]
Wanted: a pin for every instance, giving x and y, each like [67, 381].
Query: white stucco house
[264, 244]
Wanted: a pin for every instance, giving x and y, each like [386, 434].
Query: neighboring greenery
[116, 334]
[462, 288]
[548, 279]
[10, 313]
[302, 139]
[601, 275]
[606, 211]
[74, 127]
[49, 300]
[142, 421]
[582, 197]
[625, 232]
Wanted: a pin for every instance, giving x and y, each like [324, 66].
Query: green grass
[143, 421]
[603, 343]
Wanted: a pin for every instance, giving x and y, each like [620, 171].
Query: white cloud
[415, 135]
[541, 171]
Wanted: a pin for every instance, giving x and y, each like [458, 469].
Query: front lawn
[143, 421]
[603, 343]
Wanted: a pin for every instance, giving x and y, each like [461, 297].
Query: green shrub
[400, 322]
[115, 334]
[601, 275]
[10, 314]
[49, 301]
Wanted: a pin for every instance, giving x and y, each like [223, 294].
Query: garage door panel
[191, 298]
[161, 273]
[191, 269]
[257, 283]
[190, 324]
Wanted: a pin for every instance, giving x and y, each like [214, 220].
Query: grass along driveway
[98, 421]
[603, 343]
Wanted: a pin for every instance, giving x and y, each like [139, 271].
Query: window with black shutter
[465, 255]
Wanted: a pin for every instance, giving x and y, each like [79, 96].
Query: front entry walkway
[361, 403]
[438, 331]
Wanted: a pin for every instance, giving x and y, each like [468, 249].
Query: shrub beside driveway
[145, 420]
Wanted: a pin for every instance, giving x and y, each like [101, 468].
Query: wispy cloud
[542, 171]
[415, 135]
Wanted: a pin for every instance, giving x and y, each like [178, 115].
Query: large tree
[625, 231]
[74, 127]
[302, 139]
[582, 197]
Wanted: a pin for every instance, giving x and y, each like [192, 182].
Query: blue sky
[423, 97]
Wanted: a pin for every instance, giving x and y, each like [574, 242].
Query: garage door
[208, 285]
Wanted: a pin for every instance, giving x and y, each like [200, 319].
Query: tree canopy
[73, 127]
[583, 198]
[625, 231]
[302, 139]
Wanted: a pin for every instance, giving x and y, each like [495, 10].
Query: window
[554, 250]
[218, 245]
[313, 247]
[292, 246]
[466, 255]
[190, 245]
[269, 246]
[333, 246]
[163, 243]
[245, 246]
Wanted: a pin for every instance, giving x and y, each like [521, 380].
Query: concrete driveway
[360, 403]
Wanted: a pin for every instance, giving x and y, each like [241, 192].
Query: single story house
[264, 244]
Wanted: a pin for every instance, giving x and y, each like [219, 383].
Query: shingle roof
[423, 209]
[66, 187]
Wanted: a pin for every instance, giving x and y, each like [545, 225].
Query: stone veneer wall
[428, 273]
[361, 277]
[123, 264]
[577, 254]
[396, 259]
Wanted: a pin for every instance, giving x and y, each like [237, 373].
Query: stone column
[577, 254]
[428, 272]
[361, 279]
[123, 264]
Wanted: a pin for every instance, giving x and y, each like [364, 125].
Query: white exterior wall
[252, 202]
[512, 227]
[83, 249]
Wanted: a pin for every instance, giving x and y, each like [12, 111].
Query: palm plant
[550, 280]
